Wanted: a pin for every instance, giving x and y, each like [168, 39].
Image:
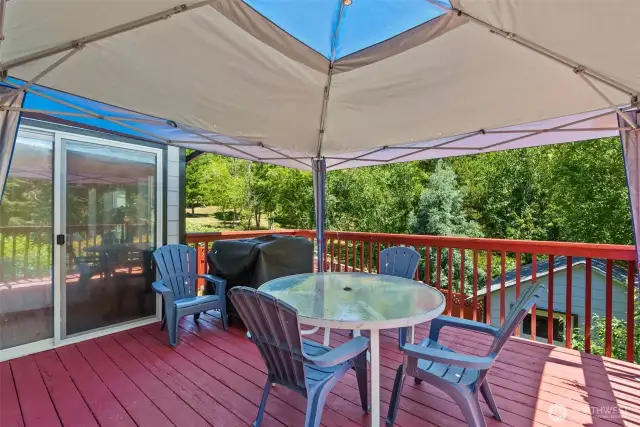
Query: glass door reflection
[111, 225]
[26, 251]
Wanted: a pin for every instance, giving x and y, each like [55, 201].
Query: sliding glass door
[79, 221]
[110, 229]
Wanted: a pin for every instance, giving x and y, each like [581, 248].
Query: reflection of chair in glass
[303, 366]
[178, 287]
[399, 261]
[460, 375]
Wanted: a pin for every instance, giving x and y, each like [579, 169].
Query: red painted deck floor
[216, 378]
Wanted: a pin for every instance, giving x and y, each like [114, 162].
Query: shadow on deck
[216, 378]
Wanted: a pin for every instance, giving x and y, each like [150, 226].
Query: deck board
[215, 377]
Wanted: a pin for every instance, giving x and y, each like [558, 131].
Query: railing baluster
[2, 236]
[487, 295]
[502, 286]
[608, 332]
[474, 314]
[517, 331]
[427, 275]
[13, 257]
[438, 268]
[378, 266]
[462, 294]
[26, 255]
[450, 280]
[587, 308]
[354, 254]
[550, 302]
[568, 320]
[361, 255]
[630, 309]
[333, 261]
[38, 249]
[339, 255]
[534, 272]
[370, 268]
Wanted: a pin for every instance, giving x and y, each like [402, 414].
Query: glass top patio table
[357, 300]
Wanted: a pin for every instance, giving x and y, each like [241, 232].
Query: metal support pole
[614, 107]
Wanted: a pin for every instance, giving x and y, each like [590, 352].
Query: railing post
[608, 332]
[550, 302]
[517, 331]
[631, 265]
[587, 308]
[487, 295]
[568, 318]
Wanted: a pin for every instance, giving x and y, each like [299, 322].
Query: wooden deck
[216, 378]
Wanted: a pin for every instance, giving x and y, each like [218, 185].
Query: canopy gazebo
[326, 85]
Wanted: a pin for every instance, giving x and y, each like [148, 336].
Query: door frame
[59, 227]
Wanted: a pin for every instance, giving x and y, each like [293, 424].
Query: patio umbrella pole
[319, 166]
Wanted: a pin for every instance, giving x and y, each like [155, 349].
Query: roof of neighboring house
[559, 263]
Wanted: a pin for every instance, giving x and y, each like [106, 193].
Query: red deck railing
[352, 251]
[26, 252]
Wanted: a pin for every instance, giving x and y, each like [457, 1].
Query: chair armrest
[159, 288]
[448, 357]
[220, 283]
[345, 352]
[455, 322]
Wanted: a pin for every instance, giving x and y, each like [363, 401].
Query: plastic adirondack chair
[178, 287]
[400, 261]
[460, 375]
[300, 365]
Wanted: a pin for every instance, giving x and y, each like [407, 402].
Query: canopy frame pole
[327, 86]
[286, 156]
[538, 132]
[96, 115]
[73, 114]
[216, 142]
[319, 169]
[132, 25]
[613, 106]
[47, 70]
[541, 50]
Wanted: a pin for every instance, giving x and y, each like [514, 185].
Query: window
[541, 325]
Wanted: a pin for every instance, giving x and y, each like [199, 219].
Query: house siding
[578, 296]
[173, 195]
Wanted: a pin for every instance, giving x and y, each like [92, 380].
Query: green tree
[440, 213]
[618, 335]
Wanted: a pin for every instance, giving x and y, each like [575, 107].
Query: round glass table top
[357, 300]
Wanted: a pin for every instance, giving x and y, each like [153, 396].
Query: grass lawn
[211, 218]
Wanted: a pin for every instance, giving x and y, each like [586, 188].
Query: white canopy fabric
[351, 82]
[431, 90]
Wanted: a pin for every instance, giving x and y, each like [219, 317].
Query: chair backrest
[273, 327]
[517, 313]
[177, 267]
[399, 261]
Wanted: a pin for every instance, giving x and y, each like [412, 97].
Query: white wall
[173, 195]
[560, 296]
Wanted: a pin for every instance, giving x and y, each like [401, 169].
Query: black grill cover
[252, 262]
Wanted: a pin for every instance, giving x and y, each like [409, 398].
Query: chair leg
[196, 316]
[469, 404]
[488, 397]
[395, 396]
[315, 405]
[164, 322]
[361, 376]
[402, 337]
[172, 326]
[225, 319]
[263, 403]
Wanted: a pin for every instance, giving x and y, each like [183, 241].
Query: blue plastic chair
[400, 261]
[460, 375]
[178, 287]
[303, 366]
